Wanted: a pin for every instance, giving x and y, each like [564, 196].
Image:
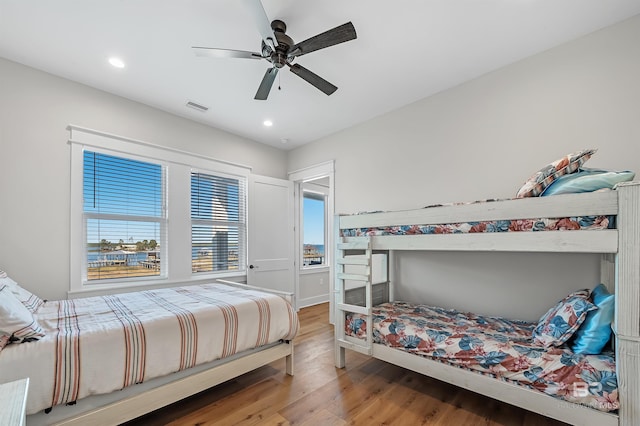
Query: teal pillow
[587, 180]
[595, 331]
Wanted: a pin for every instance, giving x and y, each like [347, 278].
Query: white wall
[35, 109]
[313, 288]
[482, 139]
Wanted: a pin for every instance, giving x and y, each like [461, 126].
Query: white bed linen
[101, 344]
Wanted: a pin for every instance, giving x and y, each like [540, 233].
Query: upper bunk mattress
[493, 346]
[513, 225]
[587, 222]
[98, 345]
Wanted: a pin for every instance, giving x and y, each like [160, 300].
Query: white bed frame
[135, 401]
[619, 270]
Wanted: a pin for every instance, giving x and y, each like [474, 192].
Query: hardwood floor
[366, 392]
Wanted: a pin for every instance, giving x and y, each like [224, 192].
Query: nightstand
[13, 400]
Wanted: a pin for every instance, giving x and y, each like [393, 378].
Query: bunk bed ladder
[363, 275]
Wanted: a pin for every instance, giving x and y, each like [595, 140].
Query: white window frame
[324, 192]
[162, 221]
[179, 165]
[242, 256]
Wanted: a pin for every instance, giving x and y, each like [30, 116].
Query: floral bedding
[515, 225]
[493, 346]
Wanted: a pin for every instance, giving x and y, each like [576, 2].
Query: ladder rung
[354, 245]
[354, 277]
[352, 260]
[355, 347]
[354, 308]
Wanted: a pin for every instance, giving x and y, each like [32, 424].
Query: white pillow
[15, 319]
[28, 299]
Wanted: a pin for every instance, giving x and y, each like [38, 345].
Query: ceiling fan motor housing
[279, 56]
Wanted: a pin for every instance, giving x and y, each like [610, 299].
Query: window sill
[100, 289]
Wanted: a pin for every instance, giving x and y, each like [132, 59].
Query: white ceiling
[405, 51]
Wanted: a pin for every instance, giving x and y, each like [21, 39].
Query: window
[314, 228]
[124, 217]
[144, 214]
[217, 223]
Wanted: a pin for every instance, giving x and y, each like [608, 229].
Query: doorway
[313, 200]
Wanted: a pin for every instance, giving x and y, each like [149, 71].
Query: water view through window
[124, 216]
[313, 253]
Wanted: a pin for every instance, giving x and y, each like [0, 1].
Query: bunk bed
[615, 236]
[108, 359]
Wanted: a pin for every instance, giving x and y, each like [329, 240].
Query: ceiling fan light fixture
[116, 62]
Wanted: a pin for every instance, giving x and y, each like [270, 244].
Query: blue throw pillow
[595, 331]
[587, 180]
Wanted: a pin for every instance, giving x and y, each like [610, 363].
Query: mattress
[492, 346]
[98, 345]
[513, 225]
[507, 225]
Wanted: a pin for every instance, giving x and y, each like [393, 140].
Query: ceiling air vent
[196, 106]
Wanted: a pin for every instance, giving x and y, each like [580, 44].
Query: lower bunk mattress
[98, 345]
[497, 347]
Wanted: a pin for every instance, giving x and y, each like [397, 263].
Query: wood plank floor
[366, 392]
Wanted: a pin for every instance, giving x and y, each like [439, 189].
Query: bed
[604, 222]
[108, 359]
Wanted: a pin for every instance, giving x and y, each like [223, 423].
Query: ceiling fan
[280, 50]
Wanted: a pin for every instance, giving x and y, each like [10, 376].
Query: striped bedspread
[97, 345]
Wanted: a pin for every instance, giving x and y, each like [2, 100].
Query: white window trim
[179, 270]
[324, 191]
[242, 260]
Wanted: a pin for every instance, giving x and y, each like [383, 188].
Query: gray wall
[35, 109]
[482, 139]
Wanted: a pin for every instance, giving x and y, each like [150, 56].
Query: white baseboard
[315, 300]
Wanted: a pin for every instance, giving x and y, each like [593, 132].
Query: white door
[270, 251]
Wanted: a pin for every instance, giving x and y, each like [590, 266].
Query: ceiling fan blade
[319, 82]
[213, 52]
[337, 35]
[262, 22]
[265, 85]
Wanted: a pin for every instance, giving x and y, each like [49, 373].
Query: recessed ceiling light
[268, 123]
[284, 140]
[116, 62]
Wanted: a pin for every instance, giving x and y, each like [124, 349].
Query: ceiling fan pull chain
[279, 80]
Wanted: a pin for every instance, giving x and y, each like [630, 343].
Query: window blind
[124, 214]
[218, 222]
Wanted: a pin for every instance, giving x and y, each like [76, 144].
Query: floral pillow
[536, 184]
[15, 319]
[562, 320]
